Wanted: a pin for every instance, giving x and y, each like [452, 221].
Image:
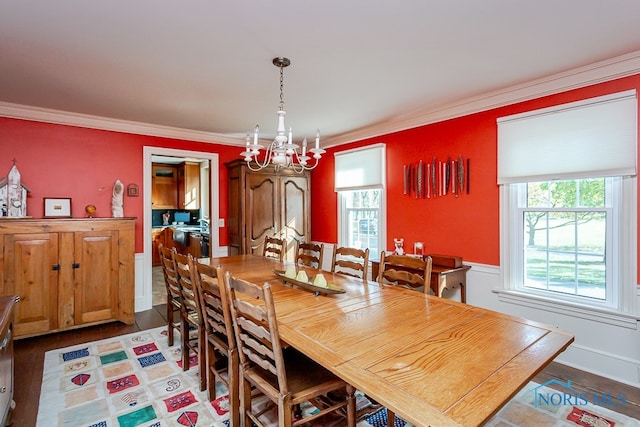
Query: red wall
[467, 226]
[68, 161]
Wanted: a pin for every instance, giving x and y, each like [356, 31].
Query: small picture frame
[132, 190]
[57, 207]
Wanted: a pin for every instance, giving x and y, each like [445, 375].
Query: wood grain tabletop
[433, 361]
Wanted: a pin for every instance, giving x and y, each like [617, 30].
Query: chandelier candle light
[282, 152]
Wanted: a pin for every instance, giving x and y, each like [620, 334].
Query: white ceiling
[359, 67]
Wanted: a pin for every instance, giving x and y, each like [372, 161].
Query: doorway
[144, 295]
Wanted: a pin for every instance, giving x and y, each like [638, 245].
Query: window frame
[343, 223]
[623, 311]
[611, 209]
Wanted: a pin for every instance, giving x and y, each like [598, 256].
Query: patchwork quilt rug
[137, 380]
[130, 380]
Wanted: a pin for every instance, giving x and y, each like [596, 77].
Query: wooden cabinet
[267, 203]
[189, 186]
[175, 186]
[159, 236]
[68, 273]
[164, 186]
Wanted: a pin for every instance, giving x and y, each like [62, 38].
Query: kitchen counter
[186, 238]
[196, 229]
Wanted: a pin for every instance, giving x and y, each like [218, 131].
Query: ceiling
[359, 68]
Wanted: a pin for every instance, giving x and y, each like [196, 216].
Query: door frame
[144, 298]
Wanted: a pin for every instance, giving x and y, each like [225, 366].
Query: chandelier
[282, 152]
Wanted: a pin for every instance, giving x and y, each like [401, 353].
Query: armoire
[267, 202]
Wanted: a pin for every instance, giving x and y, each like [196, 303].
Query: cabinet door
[295, 211]
[164, 187]
[189, 186]
[96, 276]
[262, 210]
[32, 272]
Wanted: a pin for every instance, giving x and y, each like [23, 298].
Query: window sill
[611, 317]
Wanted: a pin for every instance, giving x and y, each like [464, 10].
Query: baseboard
[602, 363]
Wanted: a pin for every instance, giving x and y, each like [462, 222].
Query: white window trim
[625, 314]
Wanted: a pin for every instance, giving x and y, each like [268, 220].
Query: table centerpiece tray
[330, 288]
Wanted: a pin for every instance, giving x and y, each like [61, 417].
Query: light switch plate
[220, 222]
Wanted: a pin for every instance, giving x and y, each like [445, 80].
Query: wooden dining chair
[287, 377]
[191, 316]
[221, 351]
[409, 272]
[170, 274]
[309, 254]
[273, 247]
[350, 261]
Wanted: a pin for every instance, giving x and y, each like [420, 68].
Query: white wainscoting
[144, 299]
[222, 251]
[601, 348]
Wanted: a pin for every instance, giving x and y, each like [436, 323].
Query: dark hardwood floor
[29, 361]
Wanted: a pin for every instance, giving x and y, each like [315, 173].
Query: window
[571, 242]
[360, 212]
[361, 203]
[568, 202]
[565, 237]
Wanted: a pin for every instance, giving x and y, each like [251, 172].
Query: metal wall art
[438, 178]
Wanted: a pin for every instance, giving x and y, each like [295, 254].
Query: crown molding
[599, 72]
[46, 115]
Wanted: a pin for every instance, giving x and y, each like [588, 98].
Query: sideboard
[68, 273]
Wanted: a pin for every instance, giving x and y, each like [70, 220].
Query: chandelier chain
[281, 88]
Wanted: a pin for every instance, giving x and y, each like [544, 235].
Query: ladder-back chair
[309, 254]
[191, 316]
[406, 271]
[273, 247]
[173, 290]
[350, 261]
[221, 351]
[282, 376]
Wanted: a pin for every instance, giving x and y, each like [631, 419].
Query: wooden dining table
[431, 360]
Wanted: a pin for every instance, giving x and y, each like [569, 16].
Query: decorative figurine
[116, 200]
[165, 218]
[13, 195]
[399, 249]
